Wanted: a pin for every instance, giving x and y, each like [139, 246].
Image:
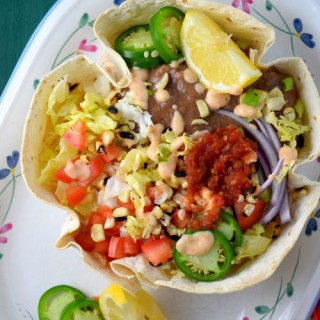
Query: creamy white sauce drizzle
[196, 244]
[154, 134]
[216, 100]
[244, 111]
[77, 170]
[288, 154]
[138, 89]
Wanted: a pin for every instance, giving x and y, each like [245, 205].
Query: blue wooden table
[18, 20]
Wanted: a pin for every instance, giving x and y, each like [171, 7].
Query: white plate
[29, 263]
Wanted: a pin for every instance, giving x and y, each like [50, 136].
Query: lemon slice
[118, 304]
[213, 56]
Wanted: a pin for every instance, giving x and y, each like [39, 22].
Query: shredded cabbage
[287, 130]
[135, 114]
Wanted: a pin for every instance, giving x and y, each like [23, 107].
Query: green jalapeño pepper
[211, 266]
[135, 45]
[229, 226]
[165, 26]
[53, 301]
[85, 309]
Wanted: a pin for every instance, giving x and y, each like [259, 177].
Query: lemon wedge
[118, 304]
[213, 56]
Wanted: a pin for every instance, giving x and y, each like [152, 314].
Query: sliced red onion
[270, 179]
[274, 208]
[285, 209]
[263, 161]
[272, 134]
[262, 128]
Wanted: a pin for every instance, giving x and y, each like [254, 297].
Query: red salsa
[221, 162]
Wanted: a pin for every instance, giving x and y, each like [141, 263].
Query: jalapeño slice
[85, 309]
[165, 26]
[229, 226]
[53, 301]
[135, 42]
[211, 266]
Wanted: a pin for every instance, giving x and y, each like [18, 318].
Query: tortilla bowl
[132, 272]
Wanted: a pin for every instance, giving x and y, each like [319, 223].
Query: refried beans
[183, 96]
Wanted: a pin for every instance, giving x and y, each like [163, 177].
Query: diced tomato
[129, 205]
[247, 221]
[102, 246]
[157, 251]
[75, 194]
[131, 247]
[111, 153]
[95, 218]
[76, 135]
[105, 211]
[62, 176]
[154, 192]
[149, 205]
[178, 222]
[116, 248]
[96, 168]
[114, 231]
[85, 241]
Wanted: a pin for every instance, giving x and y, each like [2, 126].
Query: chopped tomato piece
[75, 194]
[105, 211]
[131, 247]
[114, 231]
[102, 246]
[247, 221]
[129, 205]
[157, 251]
[116, 248]
[95, 218]
[96, 168]
[154, 192]
[62, 176]
[111, 153]
[76, 135]
[181, 220]
[84, 240]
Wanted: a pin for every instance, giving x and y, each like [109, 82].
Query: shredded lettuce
[164, 152]
[58, 95]
[138, 180]
[135, 227]
[66, 153]
[168, 136]
[253, 244]
[287, 130]
[134, 160]
[87, 205]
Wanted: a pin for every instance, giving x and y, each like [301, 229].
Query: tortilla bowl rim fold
[261, 37]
